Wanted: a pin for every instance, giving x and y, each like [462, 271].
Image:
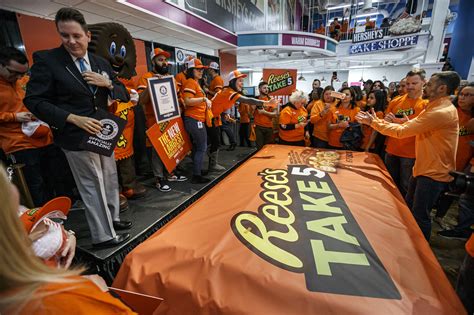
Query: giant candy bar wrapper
[278, 236]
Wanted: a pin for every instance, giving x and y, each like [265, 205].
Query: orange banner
[171, 142]
[277, 236]
[281, 82]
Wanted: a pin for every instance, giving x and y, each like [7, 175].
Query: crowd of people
[413, 126]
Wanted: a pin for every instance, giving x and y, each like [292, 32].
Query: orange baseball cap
[196, 63]
[236, 74]
[158, 51]
[55, 208]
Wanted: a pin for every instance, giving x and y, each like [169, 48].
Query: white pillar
[438, 18]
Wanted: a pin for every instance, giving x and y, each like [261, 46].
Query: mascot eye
[123, 51]
[113, 48]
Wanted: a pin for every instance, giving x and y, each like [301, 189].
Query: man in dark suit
[67, 87]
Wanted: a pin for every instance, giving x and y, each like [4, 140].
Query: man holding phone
[400, 153]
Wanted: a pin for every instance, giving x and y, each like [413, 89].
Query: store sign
[303, 40]
[383, 45]
[367, 36]
[281, 82]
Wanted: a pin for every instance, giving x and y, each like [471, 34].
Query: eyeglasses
[466, 95]
[16, 73]
[199, 69]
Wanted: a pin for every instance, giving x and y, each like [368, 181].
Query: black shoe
[232, 147]
[122, 225]
[117, 240]
[454, 234]
[199, 180]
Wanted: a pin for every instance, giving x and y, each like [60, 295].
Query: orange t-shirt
[222, 101]
[149, 112]
[291, 115]
[180, 80]
[465, 151]
[367, 132]
[83, 297]
[12, 139]
[320, 123]
[349, 114]
[244, 110]
[261, 119]
[192, 89]
[216, 85]
[412, 108]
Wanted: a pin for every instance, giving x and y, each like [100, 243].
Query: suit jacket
[57, 89]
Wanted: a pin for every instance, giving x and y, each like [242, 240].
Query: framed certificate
[163, 98]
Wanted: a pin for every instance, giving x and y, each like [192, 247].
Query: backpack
[351, 137]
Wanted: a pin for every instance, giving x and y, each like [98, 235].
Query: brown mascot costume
[113, 42]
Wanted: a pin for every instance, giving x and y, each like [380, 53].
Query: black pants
[296, 143]
[214, 137]
[47, 173]
[244, 134]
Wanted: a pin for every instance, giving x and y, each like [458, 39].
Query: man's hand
[24, 116]
[272, 102]
[91, 125]
[365, 117]
[69, 251]
[97, 79]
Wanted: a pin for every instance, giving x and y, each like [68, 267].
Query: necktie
[83, 68]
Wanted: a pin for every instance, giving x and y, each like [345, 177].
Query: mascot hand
[134, 96]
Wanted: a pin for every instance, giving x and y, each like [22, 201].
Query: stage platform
[148, 214]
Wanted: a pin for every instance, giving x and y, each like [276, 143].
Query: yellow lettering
[337, 231]
[320, 204]
[323, 258]
[262, 243]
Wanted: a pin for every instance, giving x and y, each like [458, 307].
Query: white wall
[254, 78]
[391, 73]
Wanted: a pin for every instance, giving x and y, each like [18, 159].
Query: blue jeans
[199, 140]
[400, 169]
[423, 193]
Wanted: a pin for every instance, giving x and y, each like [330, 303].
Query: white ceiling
[140, 25]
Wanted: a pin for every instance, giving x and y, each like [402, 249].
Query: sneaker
[176, 178]
[441, 222]
[454, 234]
[162, 186]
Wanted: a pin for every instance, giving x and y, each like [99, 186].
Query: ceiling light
[301, 78]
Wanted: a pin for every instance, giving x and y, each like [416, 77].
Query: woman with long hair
[293, 120]
[28, 286]
[196, 103]
[376, 100]
[341, 115]
[320, 115]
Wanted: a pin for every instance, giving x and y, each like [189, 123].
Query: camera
[462, 185]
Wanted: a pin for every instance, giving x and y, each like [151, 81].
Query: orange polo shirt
[465, 150]
[436, 130]
[334, 135]
[12, 139]
[244, 110]
[223, 100]
[149, 111]
[83, 297]
[412, 108]
[291, 115]
[261, 119]
[180, 80]
[192, 89]
[320, 123]
[216, 85]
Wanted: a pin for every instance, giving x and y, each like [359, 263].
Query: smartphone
[399, 115]
[338, 95]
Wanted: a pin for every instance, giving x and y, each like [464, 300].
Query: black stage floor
[148, 214]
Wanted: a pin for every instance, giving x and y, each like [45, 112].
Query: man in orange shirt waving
[436, 130]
